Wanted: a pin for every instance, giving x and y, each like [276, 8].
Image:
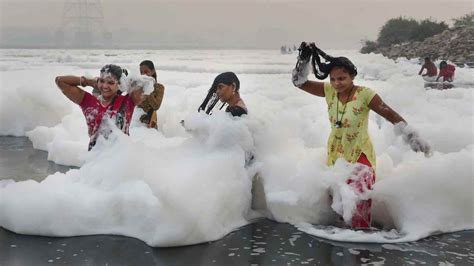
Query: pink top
[447, 73]
[121, 110]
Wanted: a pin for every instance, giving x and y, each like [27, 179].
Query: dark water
[261, 243]
[19, 161]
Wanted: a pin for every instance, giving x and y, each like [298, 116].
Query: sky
[226, 24]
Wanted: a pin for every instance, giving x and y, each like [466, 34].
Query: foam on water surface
[180, 186]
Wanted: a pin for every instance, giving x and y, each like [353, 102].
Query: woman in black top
[227, 87]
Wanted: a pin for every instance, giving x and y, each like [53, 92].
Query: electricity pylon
[82, 25]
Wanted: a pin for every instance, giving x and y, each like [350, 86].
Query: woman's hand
[303, 68]
[412, 138]
[137, 96]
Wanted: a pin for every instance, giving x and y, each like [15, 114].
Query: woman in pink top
[119, 108]
[446, 71]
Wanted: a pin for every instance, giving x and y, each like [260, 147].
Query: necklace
[339, 121]
[105, 102]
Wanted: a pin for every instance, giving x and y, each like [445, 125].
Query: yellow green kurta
[352, 139]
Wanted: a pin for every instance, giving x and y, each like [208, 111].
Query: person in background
[151, 103]
[431, 70]
[446, 71]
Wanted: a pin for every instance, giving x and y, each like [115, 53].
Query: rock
[456, 44]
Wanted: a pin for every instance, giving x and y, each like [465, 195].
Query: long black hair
[443, 64]
[211, 99]
[322, 69]
[150, 65]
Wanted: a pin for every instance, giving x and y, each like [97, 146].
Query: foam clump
[183, 185]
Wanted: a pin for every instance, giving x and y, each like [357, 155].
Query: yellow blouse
[352, 138]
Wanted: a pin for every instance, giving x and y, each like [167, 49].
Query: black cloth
[236, 110]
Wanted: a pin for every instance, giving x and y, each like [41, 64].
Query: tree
[397, 30]
[427, 28]
[464, 21]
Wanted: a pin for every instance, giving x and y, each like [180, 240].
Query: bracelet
[80, 81]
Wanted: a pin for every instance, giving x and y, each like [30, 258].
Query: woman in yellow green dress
[348, 110]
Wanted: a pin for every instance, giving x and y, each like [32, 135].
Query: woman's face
[225, 92]
[108, 85]
[340, 79]
[144, 70]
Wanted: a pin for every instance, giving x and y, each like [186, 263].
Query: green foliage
[464, 21]
[400, 30]
[427, 28]
[397, 30]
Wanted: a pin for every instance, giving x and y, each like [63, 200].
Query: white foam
[131, 83]
[176, 187]
[166, 196]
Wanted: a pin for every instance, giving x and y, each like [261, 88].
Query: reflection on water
[19, 161]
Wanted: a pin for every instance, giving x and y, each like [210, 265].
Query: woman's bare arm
[69, 86]
[381, 108]
[313, 87]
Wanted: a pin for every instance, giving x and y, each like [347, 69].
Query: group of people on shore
[348, 108]
[446, 71]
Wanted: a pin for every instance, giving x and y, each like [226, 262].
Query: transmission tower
[82, 24]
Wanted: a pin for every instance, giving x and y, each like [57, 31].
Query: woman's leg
[362, 216]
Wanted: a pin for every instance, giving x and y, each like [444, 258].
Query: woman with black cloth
[348, 106]
[227, 87]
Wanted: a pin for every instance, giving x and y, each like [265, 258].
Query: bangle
[80, 81]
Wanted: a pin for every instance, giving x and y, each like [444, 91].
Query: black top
[236, 110]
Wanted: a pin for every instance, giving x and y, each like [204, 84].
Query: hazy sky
[225, 23]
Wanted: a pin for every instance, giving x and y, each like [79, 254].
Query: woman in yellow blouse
[348, 109]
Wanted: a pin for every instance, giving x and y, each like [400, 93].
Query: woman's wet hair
[344, 63]
[227, 78]
[211, 99]
[113, 70]
[443, 64]
[150, 65]
[321, 70]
